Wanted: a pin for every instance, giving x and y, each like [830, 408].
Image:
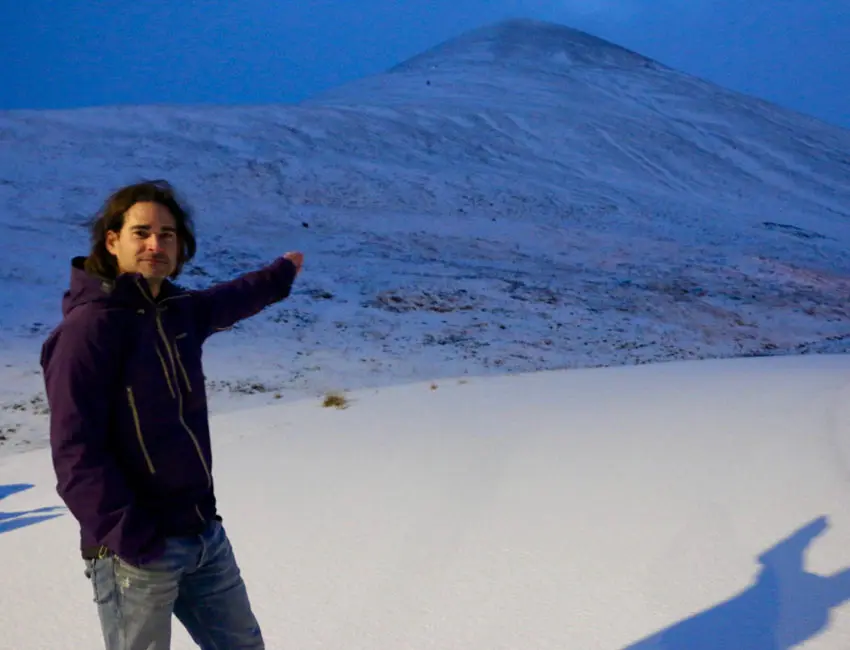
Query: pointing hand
[296, 258]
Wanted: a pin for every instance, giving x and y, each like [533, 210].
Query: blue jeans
[197, 580]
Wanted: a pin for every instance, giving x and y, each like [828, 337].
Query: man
[129, 429]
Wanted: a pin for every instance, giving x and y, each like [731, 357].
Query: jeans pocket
[152, 585]
[101, 574]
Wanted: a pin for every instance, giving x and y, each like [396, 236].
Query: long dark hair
[111, 218]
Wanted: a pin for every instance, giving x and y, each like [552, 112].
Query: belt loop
[102, 552]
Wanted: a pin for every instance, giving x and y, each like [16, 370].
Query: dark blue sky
[69, 53]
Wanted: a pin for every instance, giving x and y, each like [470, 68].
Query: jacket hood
[127, 289]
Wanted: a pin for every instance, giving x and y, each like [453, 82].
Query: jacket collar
[128, 289]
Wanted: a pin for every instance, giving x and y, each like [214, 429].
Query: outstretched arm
[81, 364]
[223, 305]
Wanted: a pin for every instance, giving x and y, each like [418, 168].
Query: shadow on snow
[10, 521]
[785, 606]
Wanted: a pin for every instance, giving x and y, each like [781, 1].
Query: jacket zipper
[179, 394]
[132, 400]
[180, 402]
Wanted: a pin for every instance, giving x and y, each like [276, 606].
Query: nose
[154, 243]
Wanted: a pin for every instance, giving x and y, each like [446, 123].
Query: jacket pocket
[182, 367]
[132, 402]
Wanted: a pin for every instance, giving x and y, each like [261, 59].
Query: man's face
[147, 243]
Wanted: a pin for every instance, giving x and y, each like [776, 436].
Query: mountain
[530, 45]
[524, 196]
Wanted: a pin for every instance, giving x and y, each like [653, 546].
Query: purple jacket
[129, 431]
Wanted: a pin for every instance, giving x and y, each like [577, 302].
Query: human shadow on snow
[785, 606]
[10, 521]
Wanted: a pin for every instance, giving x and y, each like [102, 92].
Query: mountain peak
[523, 42]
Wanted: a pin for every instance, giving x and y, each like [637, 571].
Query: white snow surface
[696, 505]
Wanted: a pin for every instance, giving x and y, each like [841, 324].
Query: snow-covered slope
[683, 506]
[523, 197]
